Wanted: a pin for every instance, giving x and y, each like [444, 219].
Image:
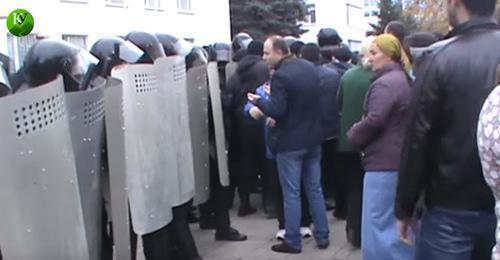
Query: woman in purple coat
[379, 135]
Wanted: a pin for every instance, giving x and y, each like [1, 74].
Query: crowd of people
[403, 136]
[390, 134]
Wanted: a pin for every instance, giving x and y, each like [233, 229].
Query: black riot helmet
[5, 88]
[241, 41]
[46, 59]
[113, 51]
[168, 42]
[222, 51]
[5, 62]
[328, 37]
[148, 43]
[212, 54]
[194, 55]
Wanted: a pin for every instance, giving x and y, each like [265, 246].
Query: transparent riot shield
[117, 167]
[86, 118]
[175, 113]
[197, 90]
[220, 140]
[42, 214]
[147, 181]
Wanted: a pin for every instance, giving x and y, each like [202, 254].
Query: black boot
[245, 208]
[230, 235]
[284, 247]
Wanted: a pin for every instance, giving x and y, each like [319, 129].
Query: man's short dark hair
[420, 40]
[397, 29]
[296, 48]
[480, 7]
[342, 53]
[279, 44]
[311, 53]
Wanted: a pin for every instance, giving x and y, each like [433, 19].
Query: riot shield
[230, 70]
[197, 90]
[147, 183]
[220, 140]
[86, 118]
[117, 167]
[42, 214]
[174, 99]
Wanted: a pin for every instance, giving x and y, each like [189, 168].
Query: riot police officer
[214, 214]
[112, 52]
[157, 244]
[183, 244]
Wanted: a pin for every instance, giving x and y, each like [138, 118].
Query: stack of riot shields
[154, 121]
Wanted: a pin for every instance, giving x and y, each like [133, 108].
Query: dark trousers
[250, 157]
[334, 179]
[277, 196]
[447, 234]
[353, 168]
[107, 237]
[328, 164]
[182, 242]
[219, 201]
[156, 245]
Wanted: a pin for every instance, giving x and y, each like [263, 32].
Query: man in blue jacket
[297, 136]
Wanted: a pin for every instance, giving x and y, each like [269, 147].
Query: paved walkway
[261, 232]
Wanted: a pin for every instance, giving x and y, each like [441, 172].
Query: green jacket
[351, 95]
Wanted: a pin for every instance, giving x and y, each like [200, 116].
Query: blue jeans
[380, 239]
[293, 167]
[448, 234]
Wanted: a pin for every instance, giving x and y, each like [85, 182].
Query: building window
[78, 40]
[311, 13]
[355, 16]
[116, 3]
[184, 5]
[18, 47]
[153, 5]
[75, 1]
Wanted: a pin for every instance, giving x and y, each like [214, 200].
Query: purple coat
[380, 133]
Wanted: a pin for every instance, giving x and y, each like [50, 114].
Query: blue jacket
[270, 154]
[295, 104]
[329, 82]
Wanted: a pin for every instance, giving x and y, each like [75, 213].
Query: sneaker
[305, 232]
[281, 234]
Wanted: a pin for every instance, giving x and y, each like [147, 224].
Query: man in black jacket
[248, 149]
[297, 135]
[440, 154]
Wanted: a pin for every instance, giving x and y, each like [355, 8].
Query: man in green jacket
[351, 95]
